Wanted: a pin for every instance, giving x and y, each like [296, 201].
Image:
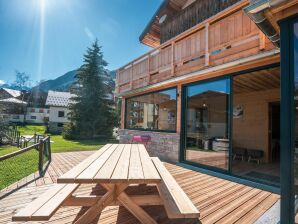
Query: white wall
[54, 114]
[40, 116]
[12, 117]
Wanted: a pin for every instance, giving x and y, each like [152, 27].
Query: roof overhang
[151, 34]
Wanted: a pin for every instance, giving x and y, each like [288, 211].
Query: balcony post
[173, 58]
[148, 75]
[131, 76]
[179, 93]
[207, 58]
[122, 119]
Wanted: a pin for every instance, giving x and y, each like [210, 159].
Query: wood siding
[192, 15]
[229, 36]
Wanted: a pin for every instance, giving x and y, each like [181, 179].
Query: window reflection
[207, 138]
[155, 111]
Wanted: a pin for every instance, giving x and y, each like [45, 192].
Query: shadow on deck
[218, 200]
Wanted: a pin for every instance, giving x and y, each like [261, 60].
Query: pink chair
[143, 139]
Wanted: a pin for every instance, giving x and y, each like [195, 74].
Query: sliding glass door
[207, 123]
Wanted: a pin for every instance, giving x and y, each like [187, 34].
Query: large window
[206, 124]
[256, 125]
[154, 111]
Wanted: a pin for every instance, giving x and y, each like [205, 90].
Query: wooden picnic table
[115, 167]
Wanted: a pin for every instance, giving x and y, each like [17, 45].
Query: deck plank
[216, 199]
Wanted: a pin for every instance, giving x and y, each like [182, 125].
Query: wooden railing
[44, 153]
[192, 15]
[225, 37]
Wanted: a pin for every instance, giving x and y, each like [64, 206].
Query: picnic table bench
[115, 167]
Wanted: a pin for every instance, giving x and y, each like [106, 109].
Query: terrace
[218, 200]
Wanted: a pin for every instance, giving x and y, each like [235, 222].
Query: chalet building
[9, 93]
[58, 103]
[12, 106]
[218, 91]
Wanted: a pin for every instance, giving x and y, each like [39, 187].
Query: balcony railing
[192, 15]
[225, 37]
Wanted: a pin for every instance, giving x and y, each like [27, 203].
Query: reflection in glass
[155, 111]
[256, 125]
[207, 136]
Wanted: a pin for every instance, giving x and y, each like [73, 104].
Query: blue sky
[47, 38]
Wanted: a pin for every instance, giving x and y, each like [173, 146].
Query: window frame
[226, 174]
[152, 130]
[61, 111]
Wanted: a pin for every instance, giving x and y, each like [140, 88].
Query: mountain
[64, 82]
[12, 86]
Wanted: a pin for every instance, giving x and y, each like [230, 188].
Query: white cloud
[89, 34]
[2, 82]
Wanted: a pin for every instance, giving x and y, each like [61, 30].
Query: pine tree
[92, 113]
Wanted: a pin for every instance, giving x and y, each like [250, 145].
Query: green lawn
[16, 168]
[32, 129]
[7, 149]
[60, 144]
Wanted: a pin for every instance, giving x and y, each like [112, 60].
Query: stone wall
[163, 145]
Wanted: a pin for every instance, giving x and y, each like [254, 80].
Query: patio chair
[255, 155]
[239, 153]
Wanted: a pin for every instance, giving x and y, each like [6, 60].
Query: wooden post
[262, 40]
[40, 159]
[123, 113]
[207, 62]
[148, 75]
[49, 148]
[173, 59]
[179, 100]
[131, 76]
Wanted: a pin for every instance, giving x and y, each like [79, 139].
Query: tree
[92, 113]
[22, 80]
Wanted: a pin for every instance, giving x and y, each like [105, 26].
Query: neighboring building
[12, 110]
[9, 93]
[217, 92]
[36, 111]
[58, 103]
[37, 115]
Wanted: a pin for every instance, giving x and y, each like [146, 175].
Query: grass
[32, 129]
[18, 167]
[60, 144]
[7, 149]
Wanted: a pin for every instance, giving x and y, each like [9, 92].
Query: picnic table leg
[135, 209]
[93, 211]
[107, 199]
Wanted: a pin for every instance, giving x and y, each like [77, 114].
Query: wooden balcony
[225, 37]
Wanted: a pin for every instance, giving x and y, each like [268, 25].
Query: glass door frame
[184, 121]
[226, 174]
[287, 119]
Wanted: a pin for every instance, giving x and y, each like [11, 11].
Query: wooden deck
[218, 200]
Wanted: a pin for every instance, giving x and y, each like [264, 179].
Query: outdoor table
[115, 167]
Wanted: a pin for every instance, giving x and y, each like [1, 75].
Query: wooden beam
[207, 58]
[123, 113]
[179, 100]
[88, 201]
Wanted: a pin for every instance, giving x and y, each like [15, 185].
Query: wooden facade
[226, 37]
